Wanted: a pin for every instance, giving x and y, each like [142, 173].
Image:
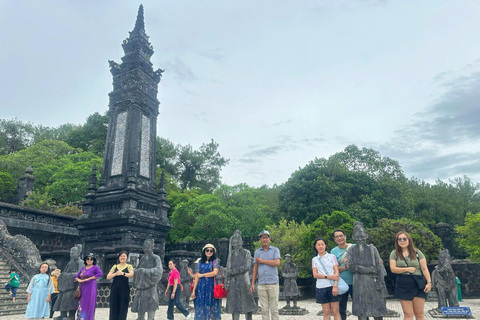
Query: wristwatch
[325, 277]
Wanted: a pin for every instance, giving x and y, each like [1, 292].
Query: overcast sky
[275, 83]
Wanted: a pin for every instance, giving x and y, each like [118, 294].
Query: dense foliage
[355, 184]
[470, 235]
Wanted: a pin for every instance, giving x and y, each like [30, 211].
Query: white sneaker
[189, 316]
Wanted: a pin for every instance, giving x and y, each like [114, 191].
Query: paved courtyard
[310, 305]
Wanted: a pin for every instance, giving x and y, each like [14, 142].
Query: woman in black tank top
[120, 292]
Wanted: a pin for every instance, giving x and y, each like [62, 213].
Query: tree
[200, 168]
[15, 135]
[360, 182]
[383, 237]
[470, 235]
[36, 156]
[7, 187]
[92, 135]
[70, 177]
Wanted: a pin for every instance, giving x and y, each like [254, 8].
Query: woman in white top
[325, 270]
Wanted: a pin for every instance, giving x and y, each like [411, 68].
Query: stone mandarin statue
[66, 285]
[290, 289]
[240, 298]
[369, 290]
[444, 281]
[145, 279]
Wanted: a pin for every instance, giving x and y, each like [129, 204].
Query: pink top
[172, 275]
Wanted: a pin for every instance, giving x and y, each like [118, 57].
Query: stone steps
[7, 307]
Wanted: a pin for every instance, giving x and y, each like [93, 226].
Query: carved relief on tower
[145, 147]
[119, 143]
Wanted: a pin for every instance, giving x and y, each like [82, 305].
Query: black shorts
[406, 288]
[324, 295]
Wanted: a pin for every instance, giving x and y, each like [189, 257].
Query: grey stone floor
[310, 305]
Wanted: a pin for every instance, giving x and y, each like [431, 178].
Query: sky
[275, 83]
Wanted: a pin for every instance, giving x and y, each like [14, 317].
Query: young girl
[39, 291]
[13, 284]
[175, 291]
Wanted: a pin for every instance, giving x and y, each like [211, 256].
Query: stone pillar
[25, 186]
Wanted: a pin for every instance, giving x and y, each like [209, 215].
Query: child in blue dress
[39, 290]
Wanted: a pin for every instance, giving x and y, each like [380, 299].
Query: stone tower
[126, 208]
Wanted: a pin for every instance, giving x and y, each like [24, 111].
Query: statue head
[288, 258]
[444, 258]
[75, 251]
[148, 245]
[236, 240]
[359, 233]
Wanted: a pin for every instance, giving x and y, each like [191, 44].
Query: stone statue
[145, 280]
[240, 298]
[67, 285]
[22, 249]
[444, 281]
[368, 277]
[185, 280]
[290, 289]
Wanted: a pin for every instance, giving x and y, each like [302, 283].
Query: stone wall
[53, 234]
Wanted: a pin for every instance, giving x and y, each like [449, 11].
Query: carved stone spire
[127, 198]
[139, 24]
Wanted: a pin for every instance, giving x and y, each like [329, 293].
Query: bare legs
[332, 307]
[413, 308]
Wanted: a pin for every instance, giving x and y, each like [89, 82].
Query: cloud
[182, 71]
[214, 54]
[453, 119]
[273, 150]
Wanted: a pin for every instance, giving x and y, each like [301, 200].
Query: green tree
[92, 135]
[368, 191]
[36, 156]
[470, 235]
[15, 135]
[383, 237]
[200, 168]
[70, 177]
[38, 200]
[7, 187]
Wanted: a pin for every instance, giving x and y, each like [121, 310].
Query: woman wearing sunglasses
[206, 306]
[410, 264]
[87, 276]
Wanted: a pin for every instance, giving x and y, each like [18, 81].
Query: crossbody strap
[324, 269]
[344, 254]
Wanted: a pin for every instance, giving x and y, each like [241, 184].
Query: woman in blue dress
[206, 306]
[39, 290]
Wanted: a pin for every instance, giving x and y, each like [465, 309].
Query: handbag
[342, 286]
[78, 293]
[419, 279]
[219, 291]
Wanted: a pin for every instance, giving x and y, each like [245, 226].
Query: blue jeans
[175, 301]
[343, 302]
[9, 288]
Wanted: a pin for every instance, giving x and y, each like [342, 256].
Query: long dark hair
[204, 256]
[412, 251]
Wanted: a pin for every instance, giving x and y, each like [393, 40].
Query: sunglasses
[89, 259]
[209, 250]
[402, 239]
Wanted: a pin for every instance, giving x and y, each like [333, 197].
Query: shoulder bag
[419, 279]
[219, 291]
[78, 293]
[342, 285]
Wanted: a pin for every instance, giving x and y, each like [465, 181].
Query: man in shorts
[340, 251]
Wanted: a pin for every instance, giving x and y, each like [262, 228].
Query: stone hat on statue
[209, 245]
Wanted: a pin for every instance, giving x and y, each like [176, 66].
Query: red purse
[219, 291]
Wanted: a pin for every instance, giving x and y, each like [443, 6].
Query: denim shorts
[325, 295]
